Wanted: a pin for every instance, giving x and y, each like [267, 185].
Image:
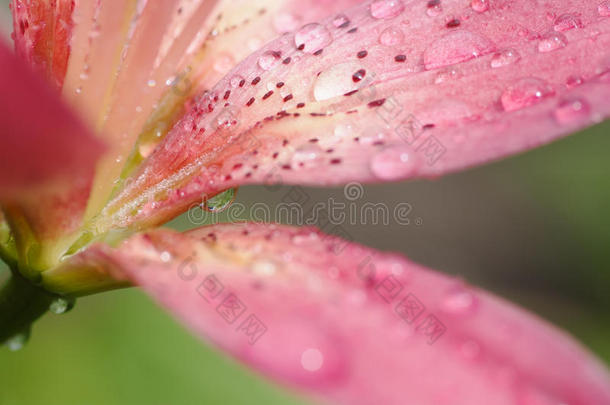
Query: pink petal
[131, 69]
[348, 324]
[42, 32]
[47, 155]
[400, 90]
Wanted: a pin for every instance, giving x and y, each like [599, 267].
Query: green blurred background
[534, 229]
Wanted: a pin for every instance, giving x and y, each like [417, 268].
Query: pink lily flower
[118, 115]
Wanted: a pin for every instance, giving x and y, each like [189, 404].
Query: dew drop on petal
[566, 22]
[312, 37]
[341, 21]
[269, 60]
[434, 8]
[571, 111]
[312, 360]
[220, 202]
[459, 301]
[552, 42]
[391, 36]
[386, 9]
[61, 305]
[524, 93]
[236, 80]
[393, 164]
[504, 58]
[480, 6]
[604, 8]
[305, 155]
[165, 256]
[455, 47]
[336, 81]
[574, 81]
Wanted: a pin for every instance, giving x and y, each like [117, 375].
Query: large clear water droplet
[572, 111]
[386, 9]
[504, 58]
[337, 81]
[391, 36]
[19, 340]
[393, 164]
[552, 42]
[61, 305]
[566, 22]
[312, 37]
[524, 93]
[220, 202]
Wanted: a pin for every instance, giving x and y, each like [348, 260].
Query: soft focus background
[534, 229]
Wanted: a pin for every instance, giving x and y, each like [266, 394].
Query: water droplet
[336, 81]
[456, 47]
[220, 202]
[312, 37]
[18, 341]
[480, 6]
[391, 36]
[393, 164]
[572, 110]
[269, 60]
[504, 58]
[447, 75]
[224, 63]
[264, 268]
[341, 21]
[566, 22]
[574, 81]
[434, 8]
[312, 360]
[286, 22]
[306, 154]
[459, 301]
[604, 8]
[151, 83]
[165, 256]
[524, 93]
[552, 42]
[61, 305]
[386, 9]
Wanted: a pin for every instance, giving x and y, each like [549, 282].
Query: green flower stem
[21, 303]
